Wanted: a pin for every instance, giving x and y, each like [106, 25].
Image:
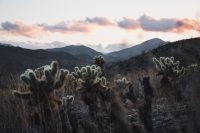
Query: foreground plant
[167, 67]
[122, 83]
[91, 81]
[126, 89]
[171, 72]
[191, 69]
[93, 89]
[41, 83]
[100, 61]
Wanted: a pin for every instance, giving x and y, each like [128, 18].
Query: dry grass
[15, 113]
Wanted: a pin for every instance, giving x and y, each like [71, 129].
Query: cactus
[42, 82]
[122, 83]
[126, 89]
[93, 88]
[193, 68]
[171, 72]
[168, 67]
[99, 61]
[90, 77]
[68, 99]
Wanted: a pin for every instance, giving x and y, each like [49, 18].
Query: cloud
[150, 24]
[76, 26]
[186, 25]
[10, 26]
[116, 47]
[128, 24]
[102, 21]
[144, 22]
[110, 47]
[62, 27]
[20, 29]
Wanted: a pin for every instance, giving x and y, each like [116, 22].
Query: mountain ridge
[77, 50]
[187, 51]
[137, 49]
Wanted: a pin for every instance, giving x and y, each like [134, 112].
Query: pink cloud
[102, 21]
[144, 22]
[186, 25]
[70, 27]
[148, 23]
[20, 29]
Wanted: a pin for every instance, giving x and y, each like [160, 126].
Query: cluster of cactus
[42, 82]
[122, 83]
[167, 67]
[89, 77]
[99, 61]
[192, 69]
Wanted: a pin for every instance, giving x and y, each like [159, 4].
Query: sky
[100, 24]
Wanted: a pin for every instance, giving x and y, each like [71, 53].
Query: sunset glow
[93, 22]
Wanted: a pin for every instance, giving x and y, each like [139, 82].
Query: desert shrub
[171, 73]
[191, 69]
[100, 61]
[168, 67]
[42, 82]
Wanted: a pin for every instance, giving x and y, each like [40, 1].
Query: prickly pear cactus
[167, 67]
[89, 77]
[42, 82]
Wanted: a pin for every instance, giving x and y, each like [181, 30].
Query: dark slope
[77, 50]
[137, 49]
[14, 60]
[187, 51]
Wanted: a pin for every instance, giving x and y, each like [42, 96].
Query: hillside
[131, 102]
[137, 49]
[14, 60]
[87, 53]
[187, 51]
[77, 50]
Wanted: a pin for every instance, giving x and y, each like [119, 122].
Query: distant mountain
[15, 60]
[35, 45]
[5, 44]
[85, 52]
[77, 50]
[186, 51]
[136, 50]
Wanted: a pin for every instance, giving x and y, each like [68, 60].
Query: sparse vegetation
[50, 99]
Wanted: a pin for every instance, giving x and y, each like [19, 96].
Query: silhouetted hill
[77, 50]
[137, 49]
[14, 60]
[187, 51]
[87, 53]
